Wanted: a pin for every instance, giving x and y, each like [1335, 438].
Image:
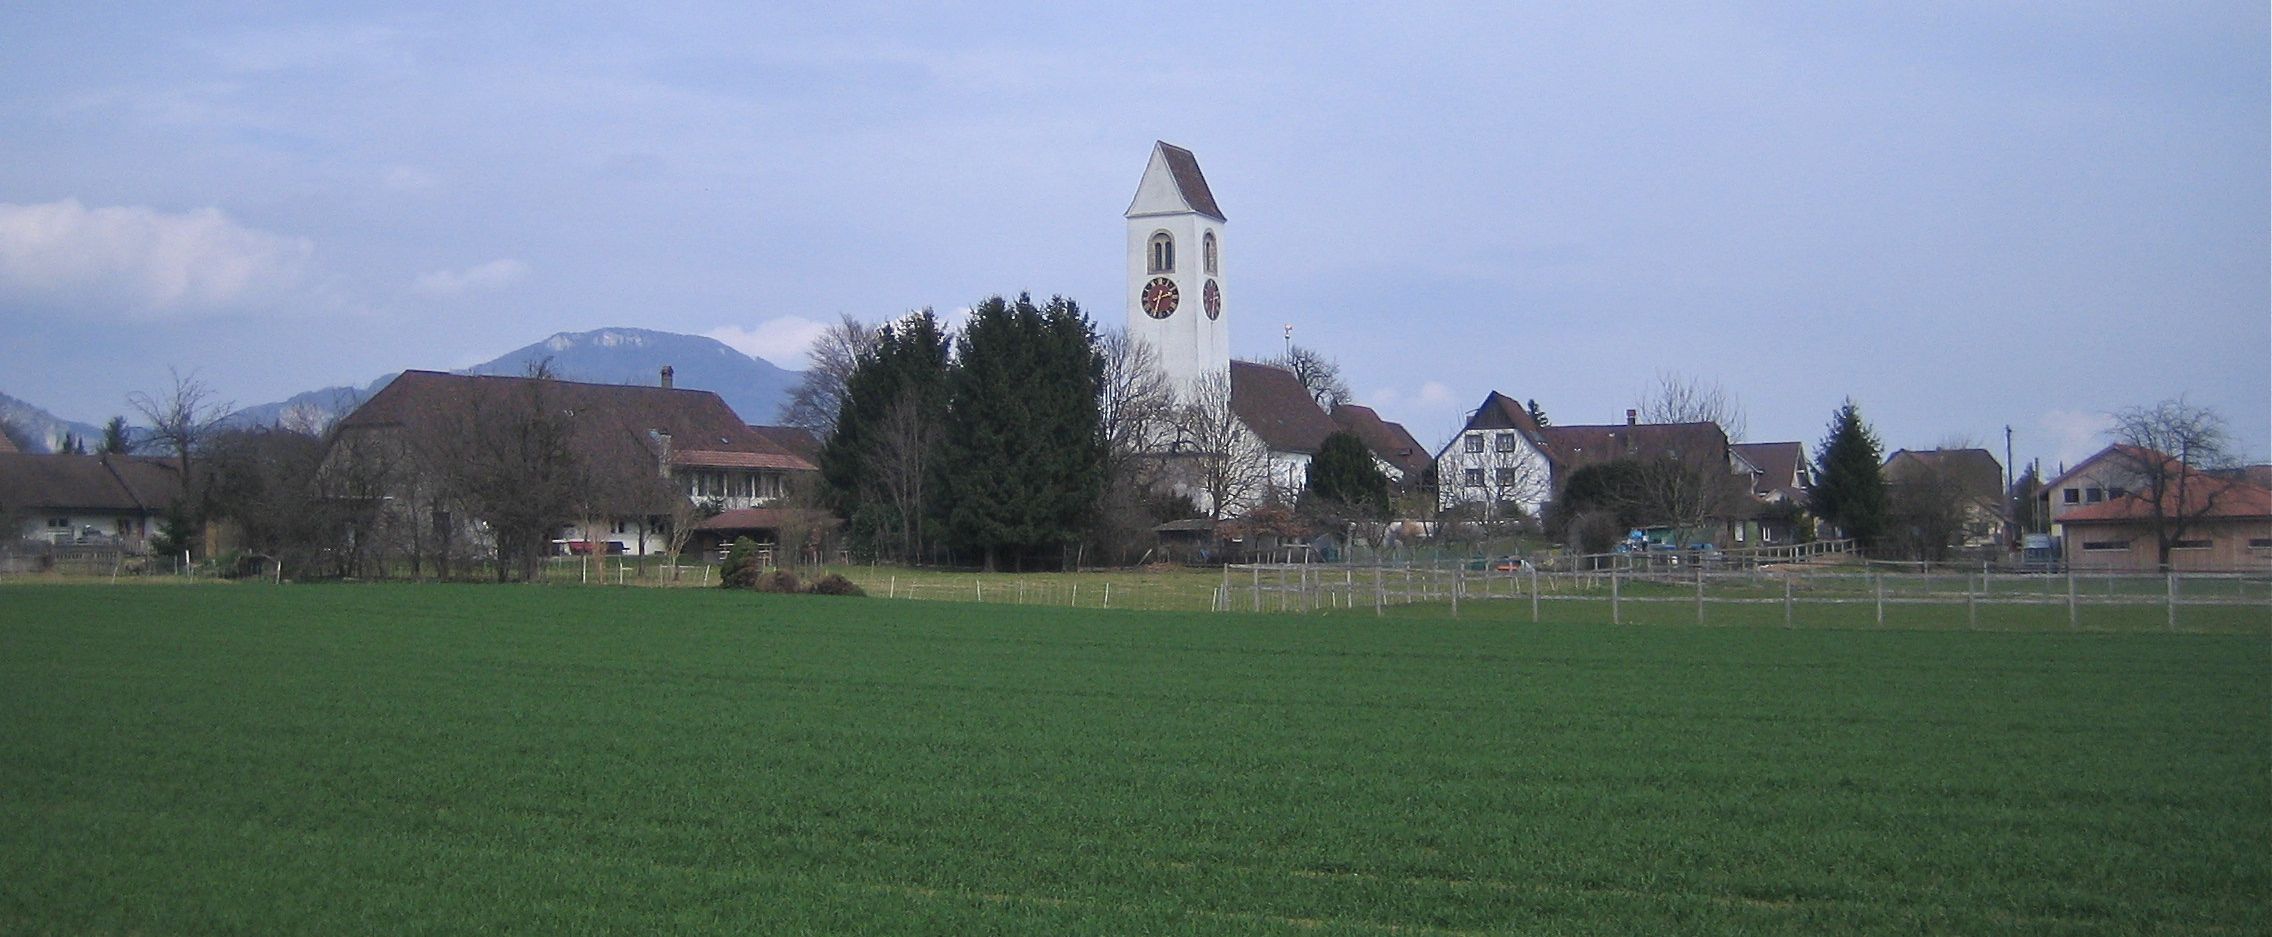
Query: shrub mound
[780, 581]
[835, 584]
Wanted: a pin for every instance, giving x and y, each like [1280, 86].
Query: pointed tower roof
[1173, 184]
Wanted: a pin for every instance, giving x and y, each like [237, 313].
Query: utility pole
[1289, 341]
[2011, 517]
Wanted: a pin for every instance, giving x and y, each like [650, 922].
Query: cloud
[494, 275]
[138, 262]
[2075, 434]
[406, 179]
[778, 340]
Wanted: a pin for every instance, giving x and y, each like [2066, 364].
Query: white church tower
[1175, 268]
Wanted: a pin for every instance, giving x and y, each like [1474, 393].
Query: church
[1180, 307]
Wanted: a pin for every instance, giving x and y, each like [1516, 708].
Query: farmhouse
[2227, 526]
[642, 456]
[1969, 479]
[66, 499]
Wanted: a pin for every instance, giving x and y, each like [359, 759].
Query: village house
[1972, 478]
[648, 454]
[2227, 527]
[65, 499]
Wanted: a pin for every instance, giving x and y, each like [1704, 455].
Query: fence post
[2074, 619]
[1616, 616]
[1534, 593]
[1255, 589]
[1378, 598]
[1786, 600]
[1700, 592]
[2173, 600]
[1971, 604]
[1881, 599]
[1108, 594]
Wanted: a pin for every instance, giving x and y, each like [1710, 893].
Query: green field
[448, 759]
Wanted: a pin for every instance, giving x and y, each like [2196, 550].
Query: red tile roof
[2205, 495]
[712, 458]
[1569, 447]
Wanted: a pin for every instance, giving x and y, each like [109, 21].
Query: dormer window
[1207, 251]
[1163, 253]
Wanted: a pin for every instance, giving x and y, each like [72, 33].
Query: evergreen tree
[1538, 415]
[1849, 489]
[115, 441]
[875, 466]
[1022, 458]
[1343, 473]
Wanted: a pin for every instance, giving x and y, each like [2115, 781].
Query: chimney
[667, 372]
[1631, 416]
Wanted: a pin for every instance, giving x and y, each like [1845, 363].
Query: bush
[741, 569]
[780, 581]
[835, 584]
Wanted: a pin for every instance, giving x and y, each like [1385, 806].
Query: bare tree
[508, 458]
[182, 416]
[1677, 398]
[1223, 461]
[819, 394]
[1320, 375]
[2165, 452]
[1137, 402]
[901, 465]
[1926, 508]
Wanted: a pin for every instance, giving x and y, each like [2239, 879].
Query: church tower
[1175, 269]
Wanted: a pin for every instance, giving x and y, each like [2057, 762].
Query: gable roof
[1388, 441]
[1273, 404]
[2118, 450]
[1778, 464]
[1174, 173]
[1570, 447]
[1976, 472]
[2205, 495]
[87, 482]
[617, 427]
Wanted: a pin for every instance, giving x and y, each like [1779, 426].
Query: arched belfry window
[1163, 253]
[1207, 250]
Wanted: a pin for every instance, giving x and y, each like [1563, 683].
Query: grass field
[446, 759]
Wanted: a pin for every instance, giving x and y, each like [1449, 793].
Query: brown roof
[797, 440]
[1185, 168]
[616, 426]
[746, 519]
[713, 458]
[1570, 447]
[2205, 495]
[7, 446]
[88, 482]
[1778, 464]
[1976, 471]
[2258, 475]
[1390, 442]
[1272, 402]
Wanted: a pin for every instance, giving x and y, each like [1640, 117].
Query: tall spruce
[1538, 414]
[1022, 460]
[1849, 488]
[1344, 474]
[875, 466]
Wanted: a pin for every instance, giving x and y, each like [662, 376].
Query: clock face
[1214, 296]
[1159, 297]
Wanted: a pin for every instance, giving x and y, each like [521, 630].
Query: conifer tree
[1022, 457]
[1538, 414]
[875, 466]
[1343, 473]
[1849, 488]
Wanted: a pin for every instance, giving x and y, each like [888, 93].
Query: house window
[59, 523]
[621, 527]
[1505, 442]
[1504, 478]
[1163, 253]
[2116, 492]
[1475, 442]
[2071, 496]
[2101, 545]
[2189, 544]
[2260, 543]
[1473, 477]
[1207, 248]
[2095, 495]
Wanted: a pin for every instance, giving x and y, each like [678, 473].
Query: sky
[1964, 216]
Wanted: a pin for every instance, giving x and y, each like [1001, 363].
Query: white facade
[1175, 242]
[1492, 466]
